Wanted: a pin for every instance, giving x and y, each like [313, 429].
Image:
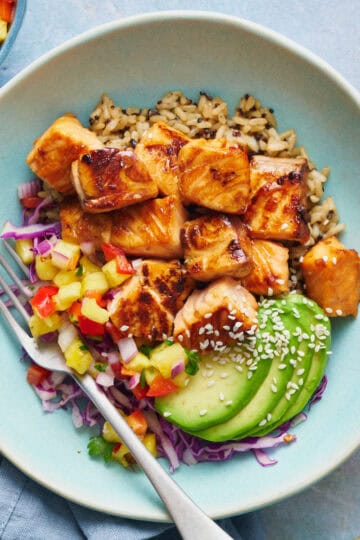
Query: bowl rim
[283, 42]
[14, 29]
[158, 16]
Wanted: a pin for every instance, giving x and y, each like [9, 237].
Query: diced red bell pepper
[110, 251]
[137, 422]
[115, 252]
[36, 374]
[30, 202]
[115, 334]
[89, 327]
[161, 387]
[123, 266]
[7, 8]
[116, 369]
[43, 302]
[140, 392]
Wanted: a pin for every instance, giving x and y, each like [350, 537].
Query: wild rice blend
[252, 125]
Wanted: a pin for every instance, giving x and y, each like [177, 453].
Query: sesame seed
[319, 316]
[288, 396]
[180, 337]
[280, 281]
[229, 402]
[210, 383]
[223, 375]
[262, 423]
[300, 371]
[124, 327]
[284, 226]
[166, 414]
[207, 315]
[226, 327]
[239, 368]
[328, 310]
[301, 382]
[221, 396]
[325, 258]
[250, 374]
[270, 291]
[187, 332]
[269, 417]
[274, 388]
[203, 412]
[282, 366]
[339, 312]
[334, 260]
[201, 330]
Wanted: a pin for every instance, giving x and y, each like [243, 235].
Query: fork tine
[16, 258]
[15, 300]
[23, 337]
[24, 290]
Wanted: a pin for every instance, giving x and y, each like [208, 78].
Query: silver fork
[190, 520]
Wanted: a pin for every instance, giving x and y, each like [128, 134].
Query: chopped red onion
[177, 368]
[45, 395]
[45, 246]
[105, 379]
[134, 381]
[128, 349]
[87, 248]
[136, 263]
[113, 357]
[29, 189]
[67, 334]
[59, 259]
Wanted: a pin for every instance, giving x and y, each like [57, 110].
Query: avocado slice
[215, 393]
[258, 413]
[306, 360]
[272, 344]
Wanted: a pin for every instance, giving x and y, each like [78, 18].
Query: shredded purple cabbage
[173, 443]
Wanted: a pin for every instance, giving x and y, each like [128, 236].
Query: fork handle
[189, 519]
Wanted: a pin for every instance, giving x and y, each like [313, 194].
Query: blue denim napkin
[327, 511]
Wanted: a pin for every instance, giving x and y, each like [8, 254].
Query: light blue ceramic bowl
[14, 30]
[136, 61]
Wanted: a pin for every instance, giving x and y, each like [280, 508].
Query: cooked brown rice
[251, 124]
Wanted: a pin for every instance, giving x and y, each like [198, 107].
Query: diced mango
[181, 380]
[88, 266]
[164, 360]
[45, 268]
[40, 326]
[120, 455]
[77, 356]
[149, 441]
[64, 277]
[109, 433]
[91, 310]
[139, 362]
[65, 255]
[24, 249]
[114, 278]
[150, 373]
[95, 282]
[66, 295]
